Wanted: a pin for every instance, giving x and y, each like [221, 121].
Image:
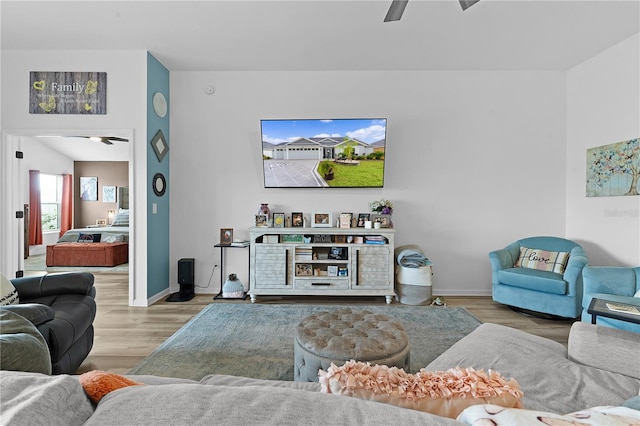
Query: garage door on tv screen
[324, 153]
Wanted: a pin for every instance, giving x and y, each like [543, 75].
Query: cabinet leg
[389, 299]
[253, 298]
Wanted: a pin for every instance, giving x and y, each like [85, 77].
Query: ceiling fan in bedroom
[107, 140]
[397, 8]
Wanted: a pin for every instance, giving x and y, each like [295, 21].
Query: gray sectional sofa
[601, 367]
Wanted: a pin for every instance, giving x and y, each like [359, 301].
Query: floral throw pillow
[444, 393]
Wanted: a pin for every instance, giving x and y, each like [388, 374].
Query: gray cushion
[226, 380]
[184, 404]
[34, 399]
[549, 380]
[22, 347]
[599, 346]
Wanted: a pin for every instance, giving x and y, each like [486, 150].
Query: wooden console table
[322, 261]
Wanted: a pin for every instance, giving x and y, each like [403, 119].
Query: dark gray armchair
[62, 306]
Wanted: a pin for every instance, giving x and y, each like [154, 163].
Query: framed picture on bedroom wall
[89, 188]
[109, 194]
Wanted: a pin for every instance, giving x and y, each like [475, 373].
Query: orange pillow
[445, 393]
[98, 383]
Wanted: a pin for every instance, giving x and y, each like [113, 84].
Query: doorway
[68, 145]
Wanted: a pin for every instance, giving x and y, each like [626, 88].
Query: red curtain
[66, 213]
[35, 213]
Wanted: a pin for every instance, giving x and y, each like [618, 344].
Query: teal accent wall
[158, 266]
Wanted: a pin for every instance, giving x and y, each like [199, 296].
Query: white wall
[126, 109]
[603, 98]
[475, 160]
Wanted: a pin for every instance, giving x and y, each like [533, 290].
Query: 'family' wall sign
[67, 92]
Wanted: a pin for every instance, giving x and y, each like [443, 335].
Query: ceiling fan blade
[115, 138]
[395, 10]
[107, 140]
[467, 3]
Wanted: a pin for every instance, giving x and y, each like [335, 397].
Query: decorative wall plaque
[67, 92]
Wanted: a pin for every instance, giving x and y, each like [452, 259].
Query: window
[50, 200]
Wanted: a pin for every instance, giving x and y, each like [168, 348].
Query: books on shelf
[271, 239]
[304, 253]
[375, 239]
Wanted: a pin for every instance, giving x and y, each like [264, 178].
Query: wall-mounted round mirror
[159, 184]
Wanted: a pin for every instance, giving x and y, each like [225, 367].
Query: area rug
[254, 340]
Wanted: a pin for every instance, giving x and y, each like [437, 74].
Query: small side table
[223, 248]
[599, 307]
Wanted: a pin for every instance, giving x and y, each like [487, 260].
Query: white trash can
[413, 284]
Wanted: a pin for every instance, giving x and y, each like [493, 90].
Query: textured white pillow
[112, 238]
[496, 415]
[8, 293]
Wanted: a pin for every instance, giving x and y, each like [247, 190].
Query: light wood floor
[125, 335]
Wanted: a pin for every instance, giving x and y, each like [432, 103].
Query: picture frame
[338, 253]
[384, 220]
[89, 188]
[226, 236]
[279, 220]
[109, 194]
[159, 145]
[297, 220]
[362, 218]
[345, 220]
[261, 220]
[321, 220]
[101, 222]
[332, 270]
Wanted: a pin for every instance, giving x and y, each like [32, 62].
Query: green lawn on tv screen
[367, 173]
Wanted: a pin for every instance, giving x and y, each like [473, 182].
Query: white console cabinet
[321, 261]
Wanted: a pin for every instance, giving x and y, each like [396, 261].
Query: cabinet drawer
[321, 283]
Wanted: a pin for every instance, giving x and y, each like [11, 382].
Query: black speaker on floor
[186, 279]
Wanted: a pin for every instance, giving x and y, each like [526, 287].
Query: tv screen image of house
[327, 153]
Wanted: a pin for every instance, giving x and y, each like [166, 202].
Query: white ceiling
[83, 149]
[328, 35]
[321, 35]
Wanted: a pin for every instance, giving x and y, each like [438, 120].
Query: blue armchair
[617, 284]
[548, 292]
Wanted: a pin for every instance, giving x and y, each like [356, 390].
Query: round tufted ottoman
[342, 335]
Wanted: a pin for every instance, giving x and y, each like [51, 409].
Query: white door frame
[12, 194]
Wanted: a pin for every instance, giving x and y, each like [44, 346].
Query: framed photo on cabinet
[297, 220]
[321, 220]
[362, 218]
[278, 220]
[262, 220]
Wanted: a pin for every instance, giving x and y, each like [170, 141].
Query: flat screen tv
[335, 153]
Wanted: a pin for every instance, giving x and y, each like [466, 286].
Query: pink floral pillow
[444, 393]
